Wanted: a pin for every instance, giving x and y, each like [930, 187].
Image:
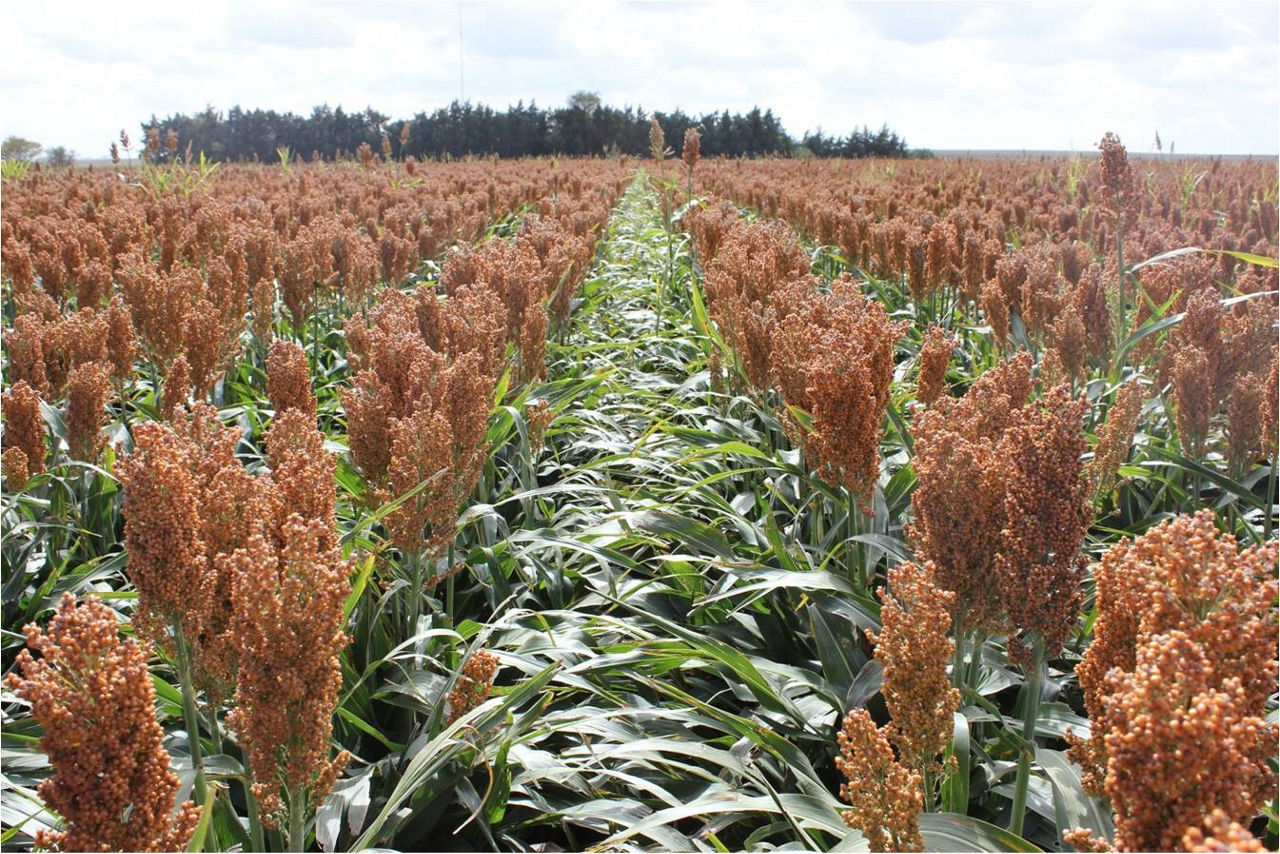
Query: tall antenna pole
[462, 90]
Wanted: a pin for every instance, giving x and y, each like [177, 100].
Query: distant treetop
[17, 148]
[585, 126]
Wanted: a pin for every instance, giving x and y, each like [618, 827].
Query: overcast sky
[944, 75]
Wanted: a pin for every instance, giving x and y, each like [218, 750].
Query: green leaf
[202, 825]
[955, 789]
[357, 586]
[1248, 257]
[434, 755]
[1074, 808]
[944, 831]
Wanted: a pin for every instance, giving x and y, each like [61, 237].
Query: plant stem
[866, 525]
[1030, 710]
[215, 734]
[190, 716]
[448, 588]
[974, 674]
[818, 527]
[256, 836]
[297, 821]
[851, 531]
[1268, 523]
[315, 343]
[1120, 296]
[415, 591]
[958, 670]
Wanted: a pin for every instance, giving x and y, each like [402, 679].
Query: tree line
[860, 143]
[582, 127]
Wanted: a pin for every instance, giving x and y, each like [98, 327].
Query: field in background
[563, 504]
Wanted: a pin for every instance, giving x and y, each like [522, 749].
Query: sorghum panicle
[538, 417]
[1271, 405]
[1220, 833]
[1090, 300]
[302, 471]
[188, 504]
[94, 697]
[122, 345]
[1117, 177]
[751, 264]
[1244, 421]
[162, 531]
[368, 407]
[833, 358]
[421, 450]
[995, 311]
[884, 794]
[1039, 568]
[263, 308]
[1181, 743]
[289, 379]
[959, 503]
[176, 392]
[1193, 398]
[690, 150]
[657, 140]
[13, 463]
[914, 649]
[87, 389]
[25, 349]
[935, 352]
[1115, 437]
[473, 685]
[202, 342]
[24, 425]
[159, 303]
[1181, 575]
[290, 587]
[71, 342]
[230, 500]
[1011, 277]
[1071, 340]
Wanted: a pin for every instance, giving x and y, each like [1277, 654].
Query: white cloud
[944, 75]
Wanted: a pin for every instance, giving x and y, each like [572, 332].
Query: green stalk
[256, 836]
[215, 734]
[958, 670]
[974, 674]
[124, 406]
[448, 588]
[1030, 710]
[1120, 297]
[155, 383]
[315, 343]
[415, 592]
[818, 527]
[297, 820]
[851, 531]
[190, 716]
[865, 525]
[1268, 521]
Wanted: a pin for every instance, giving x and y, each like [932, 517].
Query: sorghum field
[615, 505]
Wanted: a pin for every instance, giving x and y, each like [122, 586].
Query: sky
[962, 75]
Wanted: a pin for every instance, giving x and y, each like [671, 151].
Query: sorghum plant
[1185, 576]
[290, 586]
[93, 695]
[914, 649]
[884, 794]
